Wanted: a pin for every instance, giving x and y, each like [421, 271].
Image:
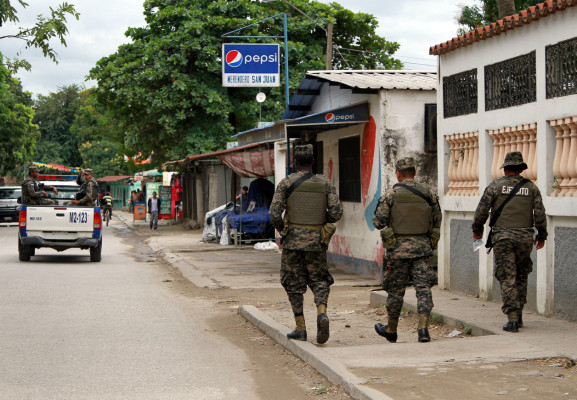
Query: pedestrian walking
[310, 205]
[410, 218]
[516, 208]
[153, 210]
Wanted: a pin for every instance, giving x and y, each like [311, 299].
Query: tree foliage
[100, 138]
[55, 115]
[471, 17]
[165, 88]
[41, 34]
[18, 134]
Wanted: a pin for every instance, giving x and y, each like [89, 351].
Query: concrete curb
[332, 369]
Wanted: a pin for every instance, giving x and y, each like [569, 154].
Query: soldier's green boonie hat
[33, 168]
[304, 150]
[405, 163]
[514, 158]
[88, 171]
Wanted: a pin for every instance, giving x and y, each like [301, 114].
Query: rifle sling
[415, 191]
[297, 183]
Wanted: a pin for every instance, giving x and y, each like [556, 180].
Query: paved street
[72, 329]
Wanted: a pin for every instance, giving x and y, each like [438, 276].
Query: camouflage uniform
[410, 256]
[512, 246]
[304, 259]
[31, 192]
[88, 189]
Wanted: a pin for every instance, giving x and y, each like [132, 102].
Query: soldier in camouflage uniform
[412, 222]
[88, 190]
[32, 192]
[310, 204]
[513, 234]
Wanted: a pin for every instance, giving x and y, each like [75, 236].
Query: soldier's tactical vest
[411, 214]
[518, 212]
[308, 203]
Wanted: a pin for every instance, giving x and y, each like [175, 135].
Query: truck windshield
[66, 192]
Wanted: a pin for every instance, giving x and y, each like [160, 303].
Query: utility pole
[330, 46]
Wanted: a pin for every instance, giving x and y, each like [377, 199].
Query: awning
[250, 164]
[336, 118]
[248, 161]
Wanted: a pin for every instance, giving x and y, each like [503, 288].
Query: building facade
[511, 86]
[360, 123]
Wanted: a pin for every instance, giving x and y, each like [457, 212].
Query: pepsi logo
[234, 58]
[330, 117]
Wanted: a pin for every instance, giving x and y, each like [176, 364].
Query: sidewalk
[353, 364]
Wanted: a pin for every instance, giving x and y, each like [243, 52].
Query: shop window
[319, 158]
[430, 128]
[350, 169]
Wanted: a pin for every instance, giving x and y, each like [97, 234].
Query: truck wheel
[24, 251]
[96, 252]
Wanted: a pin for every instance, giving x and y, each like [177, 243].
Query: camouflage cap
[405, 163]
[304, 150]
[88, 171]
[514, 158]
[33, 168]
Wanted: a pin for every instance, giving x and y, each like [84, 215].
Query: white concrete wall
[533, 37]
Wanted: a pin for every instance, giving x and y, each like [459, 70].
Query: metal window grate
[511, 82]
[460, 94]
[561, 68]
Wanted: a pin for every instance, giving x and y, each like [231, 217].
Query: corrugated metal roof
[380, 79]
[113, 178]
[359, 81]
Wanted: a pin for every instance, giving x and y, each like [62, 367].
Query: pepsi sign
[250, 65]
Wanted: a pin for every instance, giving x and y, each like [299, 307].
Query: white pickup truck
[59, 228]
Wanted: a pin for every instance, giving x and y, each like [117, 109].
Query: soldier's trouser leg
[394, 282]
[506, 274]
[421, 272]
[319, 277]
[524, 268]
[293, 280]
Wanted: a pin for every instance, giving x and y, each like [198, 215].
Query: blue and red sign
[250, 65]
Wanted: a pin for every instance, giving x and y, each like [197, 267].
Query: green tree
[41, 34]
[55, 115]
[472, 17]
[18, 134]
[165, 88]
[100, 138]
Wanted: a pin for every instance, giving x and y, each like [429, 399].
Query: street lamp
[328, 31]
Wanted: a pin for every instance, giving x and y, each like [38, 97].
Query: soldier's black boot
[323, 331]
[520, 319]
[423, 328]
[512, 325]
[297, 335]
[300, 332]
[385, 331]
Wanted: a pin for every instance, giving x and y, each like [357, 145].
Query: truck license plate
[78, 217]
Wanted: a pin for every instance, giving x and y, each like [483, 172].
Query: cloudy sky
[415, 24]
